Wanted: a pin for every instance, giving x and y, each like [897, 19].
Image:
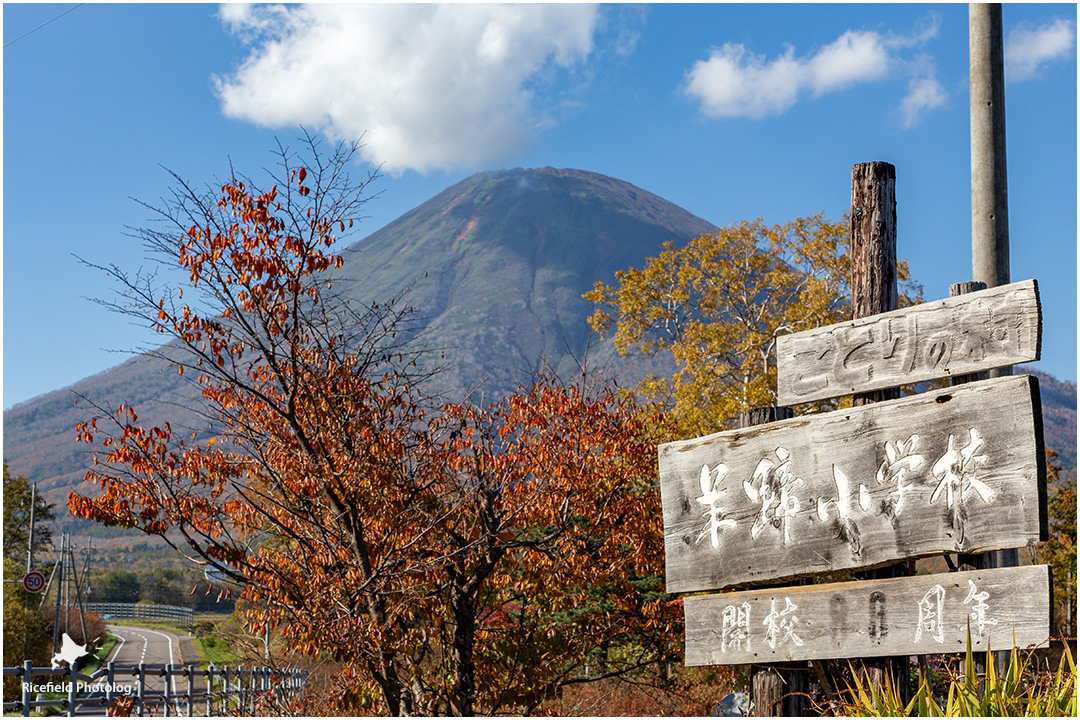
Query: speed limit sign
[33, 581]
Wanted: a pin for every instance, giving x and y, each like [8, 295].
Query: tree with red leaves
[452, 559]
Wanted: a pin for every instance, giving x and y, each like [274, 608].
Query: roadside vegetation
[953, 688]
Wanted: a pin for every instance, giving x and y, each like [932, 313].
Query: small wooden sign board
[924, 614]
[954, 470]
[978, 331]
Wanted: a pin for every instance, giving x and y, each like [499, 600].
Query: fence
[207, 691]
[180, 615]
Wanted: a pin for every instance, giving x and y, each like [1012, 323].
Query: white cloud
[428, 86]
[1028, 48]
[924, 93]
[734, 82]
[853, 58]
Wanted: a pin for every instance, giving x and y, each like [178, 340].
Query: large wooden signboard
[955, 470]
[966, 334]
[925, 614]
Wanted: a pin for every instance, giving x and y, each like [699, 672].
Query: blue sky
[731, 111]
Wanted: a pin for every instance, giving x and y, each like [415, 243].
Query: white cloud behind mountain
[427, 86]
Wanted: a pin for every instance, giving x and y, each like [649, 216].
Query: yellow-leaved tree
[718, 305]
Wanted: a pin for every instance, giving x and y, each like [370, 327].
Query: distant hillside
[1059, 416]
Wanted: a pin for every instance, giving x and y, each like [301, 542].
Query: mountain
[500, 262]
[497, 265]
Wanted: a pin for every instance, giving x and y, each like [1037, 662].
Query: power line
[43, 24]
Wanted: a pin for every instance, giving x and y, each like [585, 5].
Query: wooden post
[780, 689]
[873, 249]
[964, 561]
[983, 560]
[874, 291]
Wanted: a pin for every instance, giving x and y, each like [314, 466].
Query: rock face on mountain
[497, 265]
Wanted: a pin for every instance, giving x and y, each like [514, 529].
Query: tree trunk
[463, 694]
[873, 250]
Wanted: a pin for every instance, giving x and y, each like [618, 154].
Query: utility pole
[989, 187]
[59, 595]
[29, 566]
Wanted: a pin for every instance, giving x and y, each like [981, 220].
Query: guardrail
[180, 615]
[207, 691]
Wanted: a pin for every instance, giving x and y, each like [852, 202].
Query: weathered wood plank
[977, 331]
[924, 614]
[953, 470]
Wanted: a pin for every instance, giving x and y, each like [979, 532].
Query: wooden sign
[924, 614]
[954, 470]
[978, 331]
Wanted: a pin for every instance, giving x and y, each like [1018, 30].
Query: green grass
[213, 650]
[98, 658]
[152, 624]
[213, 617]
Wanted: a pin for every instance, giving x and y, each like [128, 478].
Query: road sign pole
[30, 542]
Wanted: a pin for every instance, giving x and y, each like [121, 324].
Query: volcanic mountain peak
[497, 264]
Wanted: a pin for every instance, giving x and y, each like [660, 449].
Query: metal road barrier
[183, 616]
[201, 691]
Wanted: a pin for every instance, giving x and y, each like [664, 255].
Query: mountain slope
[498, 264]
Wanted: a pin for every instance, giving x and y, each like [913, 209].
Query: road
[151, 648]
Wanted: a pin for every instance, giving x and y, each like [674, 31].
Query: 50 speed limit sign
[33, 581]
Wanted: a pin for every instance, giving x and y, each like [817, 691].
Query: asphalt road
[143, 645]
[151, 648]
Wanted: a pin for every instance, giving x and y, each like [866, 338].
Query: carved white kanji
[772, 487]
[735, 627]
[845, 492]
[710, 498]
[956, 469]
[931, 611]
[780, 626]
[900, 459]
[978, 611]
